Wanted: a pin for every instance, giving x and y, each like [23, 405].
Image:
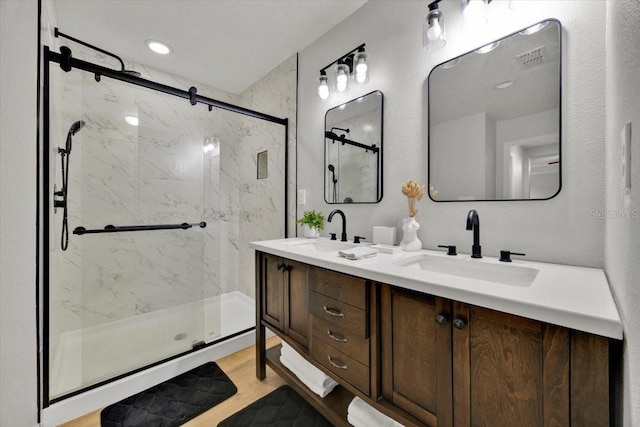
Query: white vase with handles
[410, 241]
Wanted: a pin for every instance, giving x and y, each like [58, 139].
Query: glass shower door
[120, 301]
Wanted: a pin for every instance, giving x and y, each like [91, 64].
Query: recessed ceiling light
[158, 47]
[488, 48]
[505, 84]
[132, 120]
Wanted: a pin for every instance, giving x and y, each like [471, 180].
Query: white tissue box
[384, 235]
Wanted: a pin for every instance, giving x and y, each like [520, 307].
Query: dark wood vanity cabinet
[284, 290]
[340, 325]
[416, 354]
[427, 360]
[454, 364]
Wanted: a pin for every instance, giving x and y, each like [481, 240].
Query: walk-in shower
[161, 213]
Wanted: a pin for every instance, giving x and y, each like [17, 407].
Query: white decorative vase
[310, 232]
[410, 241]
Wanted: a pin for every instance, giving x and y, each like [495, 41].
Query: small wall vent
[533, 58]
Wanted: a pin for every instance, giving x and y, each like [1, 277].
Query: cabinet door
[416, 354]
[272, 282]
[508, 370]
[296, 302]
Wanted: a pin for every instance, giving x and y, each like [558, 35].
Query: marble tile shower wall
[262, 201]
[156, 173]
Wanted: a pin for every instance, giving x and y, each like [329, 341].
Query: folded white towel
[358, 252]
[361, 414]
[316, 380]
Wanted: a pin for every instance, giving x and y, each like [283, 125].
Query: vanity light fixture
[434, 28]
[342, 77]
[323, 86]
[361, 64]
[352, 65]
[158, 47]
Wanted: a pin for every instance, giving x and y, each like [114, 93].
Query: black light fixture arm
[434, 4]
[347, 59]
[58, 33]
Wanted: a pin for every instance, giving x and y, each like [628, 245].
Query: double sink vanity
[430, 339]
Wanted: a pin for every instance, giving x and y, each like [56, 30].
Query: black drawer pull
[337, 365]
[335, 337]
[333, 311]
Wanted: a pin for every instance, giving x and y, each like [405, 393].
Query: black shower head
[332, 168]
[75, 128]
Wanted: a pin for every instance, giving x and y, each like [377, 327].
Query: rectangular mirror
[494, 120]
[353, 151]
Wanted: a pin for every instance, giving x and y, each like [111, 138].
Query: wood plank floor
[241, 368]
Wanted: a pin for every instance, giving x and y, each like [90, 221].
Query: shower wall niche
[121, 301]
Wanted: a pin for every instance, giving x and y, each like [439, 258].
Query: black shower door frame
[67, 63]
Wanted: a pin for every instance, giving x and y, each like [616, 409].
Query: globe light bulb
[435, 30]
[342, 79]
[323, 88]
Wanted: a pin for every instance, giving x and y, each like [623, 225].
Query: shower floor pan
[91, 355]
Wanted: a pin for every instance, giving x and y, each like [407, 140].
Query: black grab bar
[113, 229]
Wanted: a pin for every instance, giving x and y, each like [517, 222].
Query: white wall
[18, 124]
[622, 229]
[460, 149]
[559, 230]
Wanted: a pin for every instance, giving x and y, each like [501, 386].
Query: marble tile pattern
[158, 173]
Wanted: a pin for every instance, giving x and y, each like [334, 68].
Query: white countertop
[574, 297]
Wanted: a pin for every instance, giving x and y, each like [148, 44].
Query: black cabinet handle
[459, 323]
[285, 267]
[441, 319]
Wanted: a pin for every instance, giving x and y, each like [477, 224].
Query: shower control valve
[58, 203]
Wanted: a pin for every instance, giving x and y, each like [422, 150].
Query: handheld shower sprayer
[60, 196]
[332, 169]
[75, 128]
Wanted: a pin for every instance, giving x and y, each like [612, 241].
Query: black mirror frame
[559, 117]
[379, 174]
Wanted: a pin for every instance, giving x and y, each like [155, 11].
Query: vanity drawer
[348, 318]
[342, 287]
[340, 339]
[355, 373]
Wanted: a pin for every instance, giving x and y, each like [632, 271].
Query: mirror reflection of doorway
[532, 168]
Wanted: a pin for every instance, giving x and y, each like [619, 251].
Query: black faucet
[473, 223]
[344, 223]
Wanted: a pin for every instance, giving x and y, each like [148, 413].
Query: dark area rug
[172, 402]
[282, 407]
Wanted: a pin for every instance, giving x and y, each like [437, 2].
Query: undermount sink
[473, 269]
[321, 245]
